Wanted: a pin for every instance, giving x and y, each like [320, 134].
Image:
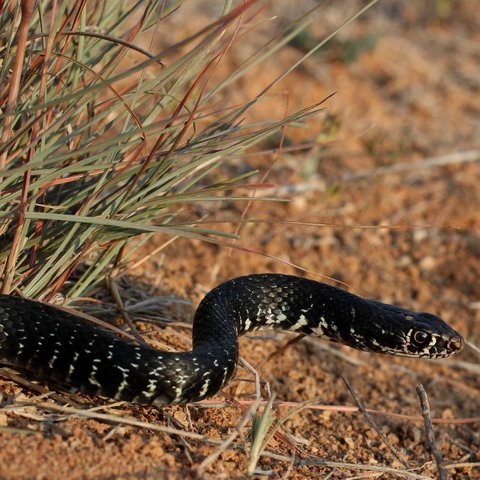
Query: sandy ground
[408, 92]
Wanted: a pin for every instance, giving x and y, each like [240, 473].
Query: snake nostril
[457, 343]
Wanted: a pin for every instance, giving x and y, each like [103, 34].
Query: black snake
[61, 347]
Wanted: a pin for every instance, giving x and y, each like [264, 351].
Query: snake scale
[62, 348]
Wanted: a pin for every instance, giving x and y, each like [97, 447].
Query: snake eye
[421, 338]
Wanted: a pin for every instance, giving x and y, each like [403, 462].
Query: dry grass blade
[431, 162]
[265, 433]
[229, 440]
[473, 347]
[283, 348]
[116, 295]
[462, 465]
[344, 409]
[467, 366]
[44, 392]
[27, 7]
[116, 419]
[14, 89]
[260, 429]
[374, 425]
[372, 468]
[19, 431]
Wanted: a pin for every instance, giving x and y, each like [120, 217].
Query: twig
[336, 352]
[340, 408]
[431, 445]
[316, 185]
[21, 431]
[456, 157]
[44, 392]
[351, 466]
[473, 347]
[92, 319]
[374, 425]
[253, 371]
[120, 420]
[330, 474]
[369, 475]
[283, 348]
[290, 467]
[188, 449]
[118, 300]
[354, 466]
[458, 364]
[462, 465]
[227, 442]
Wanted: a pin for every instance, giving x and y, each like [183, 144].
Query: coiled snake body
[63, 348]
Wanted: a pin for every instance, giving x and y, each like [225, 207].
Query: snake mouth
[448, 347]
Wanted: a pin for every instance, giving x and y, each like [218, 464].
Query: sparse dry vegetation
[150, 150]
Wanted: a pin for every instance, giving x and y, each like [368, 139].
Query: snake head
[400, 332]
[431, 337]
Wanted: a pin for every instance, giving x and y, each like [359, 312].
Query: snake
[65, 349]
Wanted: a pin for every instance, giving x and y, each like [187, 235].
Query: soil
[407, 83]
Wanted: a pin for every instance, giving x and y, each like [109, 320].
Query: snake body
[65, 349]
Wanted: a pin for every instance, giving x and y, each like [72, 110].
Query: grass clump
[108, 133]
[97, 148]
